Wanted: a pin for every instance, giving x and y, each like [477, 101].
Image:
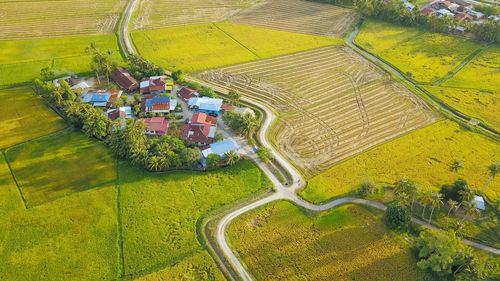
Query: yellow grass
[423, 156]
[422, 55]
[197, 47]
[24, 116]
[282, 242]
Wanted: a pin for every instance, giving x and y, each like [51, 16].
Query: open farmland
[331, 103]
[482, 72]
[162, 13]
[21, 60]
[74, 238]
[424, 156]
[17, 126]
[480, 104]
[299, 16]
[60, 165]
[160, 211]
[203, 46]
[419, 54]
[347, 243]
[28, 19]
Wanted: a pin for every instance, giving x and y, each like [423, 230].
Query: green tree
[466, 196]
[470, 211]
[366, 188]
[95, 124]
[456, 165]
[493, 170]
[207, 92]
[102, 63]
[213, 161]
[47, 74]
[264, 154]
[232, 157]
[406, 191]
[435, 201]
[425, 197]
[190, 156]
[442, 252]
[234, 96]
[397, 216]
[178, 75]
[67, 92]
[452, 205]
[248, 125]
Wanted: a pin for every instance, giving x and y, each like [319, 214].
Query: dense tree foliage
[102, 62]
[213, 161]
[366, 188]
[264, 154]
[397, 216]
[456, 191]
[140, 68]
[244, 124]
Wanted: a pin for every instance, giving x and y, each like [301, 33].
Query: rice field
[347, 243]
[482, 72]
[424, 156]
[483, 105]
[17, 125]
[160, 213]
[331, 104]
[299, 16]
[60, 165]
[74, 238]
[419, 54]
[22, 60]
[21, 19]
[152, 14]
[203, 46]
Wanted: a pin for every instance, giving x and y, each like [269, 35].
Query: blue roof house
[97, 99]
[206, 105]
[220, 148]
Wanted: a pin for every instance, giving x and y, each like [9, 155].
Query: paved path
[282, 192]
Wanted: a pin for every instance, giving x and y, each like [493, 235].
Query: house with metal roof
[156, 126]
[206, 105]
[97, 99]
[221, 148]
[200, 130]
[153, 85]
[157, 104]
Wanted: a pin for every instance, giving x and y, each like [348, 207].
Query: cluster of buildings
[458, 9]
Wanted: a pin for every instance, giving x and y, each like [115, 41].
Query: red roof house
[153, 85]
[200, 130]
[427, 11]
[124, 80]
[156, 126]
[186, 93]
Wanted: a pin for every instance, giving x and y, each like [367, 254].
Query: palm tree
[466, 196]
[248, 125]
[424, 198]
[435, 201]
[453, 205]
[406, 190]
[154, 163]
[493, 169]
[232, 157]
[456, 165]
[470, 210]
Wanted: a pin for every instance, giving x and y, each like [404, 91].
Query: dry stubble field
[331, 103]
[299, 16]
[21, 19]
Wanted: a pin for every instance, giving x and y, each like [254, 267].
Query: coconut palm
[493, 169]
[232, 157]
[470, 210]
[466, 196]
[453, 205]
[406, 191]
[456, 165]
[425, 198]
[248, 125]
[154, 163]
[436, 200]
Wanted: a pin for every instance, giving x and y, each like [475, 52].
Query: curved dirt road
[281, 192]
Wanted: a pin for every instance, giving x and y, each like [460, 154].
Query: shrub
[397, 216]
[264, 154]
[366, 188]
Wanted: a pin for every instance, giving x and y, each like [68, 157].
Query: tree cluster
[140, 68]
[396, 12]
[397, 216]
[102, 62]
[244, 124]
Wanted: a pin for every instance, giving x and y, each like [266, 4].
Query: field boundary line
[457, 69]
[235, 40]
[60, 131]
[15, 179]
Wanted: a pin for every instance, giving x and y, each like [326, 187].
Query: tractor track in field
[281, 191]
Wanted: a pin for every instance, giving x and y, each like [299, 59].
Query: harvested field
[299, 16]
[331, 103]
[17, 125]
[163, 13]
[283, 242]
[424, 156]
[28, 19]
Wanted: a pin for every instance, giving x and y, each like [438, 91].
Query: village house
[75, 83]
[97, 99]
[124, 80]
[220, 148]
[206, 105]
[158, 104]
[200, 130]
[186, 93]
[123, 112]
[153, 85]
[156, 126]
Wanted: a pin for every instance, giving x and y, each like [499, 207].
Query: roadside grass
[280, 241]
[160, 211]
[21, 60]
[200, 266]
[480, 104]
[203, 46]
[482, 72]
[59, 165]
[24, 117]
[424, 156]
[419, 54]
[74, 238]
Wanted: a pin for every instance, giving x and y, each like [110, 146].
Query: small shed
[479, 202]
